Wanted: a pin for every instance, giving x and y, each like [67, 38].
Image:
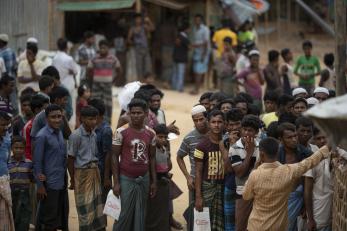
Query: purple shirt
[252, 82]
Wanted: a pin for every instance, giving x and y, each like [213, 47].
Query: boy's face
[248, 132]
[205, 103]
[89, 122]
[320, 139]
[225, 107]
[62, 102]
[299, 108]
[216, 124]
[18, 149]
[289, 56]
[307, 50]
[137, 115]
[55, 119]
[25, 108]
[87, 93]
[233, 126]
[242, 107]
[161, 139]
[103, 50]
[254, 60]
[270, 106]
[304, 134]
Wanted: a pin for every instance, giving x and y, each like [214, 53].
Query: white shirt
[2, 66]
[292, 78]
[242, 63]
[64, 64]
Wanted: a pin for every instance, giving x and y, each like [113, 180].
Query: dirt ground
[177, 107]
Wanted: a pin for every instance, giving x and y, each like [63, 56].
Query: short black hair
[81, 89]
[89, 111]
[25, 98]
[229, 101]
[32, 47]
[104, 43]
[37, 102]
[51, 71]
[17, 139]
[156, 91]
[285, 99]
[58, 93]
[234, 115]
[303, 121]
[285, 52]
[161, 129]
[228, 40]
[285, 127]
[297, 100]
[219, 96]
[246, 96]
[272, 130]
[28, 91]
[52, 107]
[98, 104]
[329, 59]
[254, 110]
[251, 121]
[88, 34]
[271, 96]
[270, 147]
[214, 113]
[307, 43]
[5, 80]
[273, 55]
[62, 44]
[147, 87]
[5, 116]
[206, 95]
[45, 82]
[142, 94]
[240, 99]
[137, 102]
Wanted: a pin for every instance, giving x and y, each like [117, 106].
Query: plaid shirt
[85, 53]
[10, 60]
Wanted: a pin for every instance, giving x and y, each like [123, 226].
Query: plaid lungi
[6, 218]
[103, 91]
[88, 196]
[229, 209]
[212, 194]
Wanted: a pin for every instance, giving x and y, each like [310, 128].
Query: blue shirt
[21, 173]
[5, 146]
[10, 60]
[50, 158]
[104, 143]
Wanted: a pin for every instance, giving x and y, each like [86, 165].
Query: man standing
[135, 174]
[270, 185]
[201, 52]
[66, 66]
[271, 73]
[137, 37]
[243, 155]
[187, 148]
[86, 52]
[8, 55]
[209, 172]
[7, 86]
[288, 71]
[50, 161]
[328, 75]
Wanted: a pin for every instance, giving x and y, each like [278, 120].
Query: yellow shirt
[268, 118]
[220, 35]
[269, 187]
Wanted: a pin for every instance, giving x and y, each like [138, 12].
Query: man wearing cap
[321, 94]
[8, 55]
[300, 92]
[188, 147]
[41, 55]
[312, 101]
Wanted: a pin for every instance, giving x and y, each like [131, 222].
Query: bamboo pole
[340, 46]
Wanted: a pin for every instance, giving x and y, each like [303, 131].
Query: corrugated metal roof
[95, 5]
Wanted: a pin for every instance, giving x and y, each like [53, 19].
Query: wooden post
[138, 6]
[340, 46]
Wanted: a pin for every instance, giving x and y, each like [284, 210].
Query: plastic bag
[202, 220]
[112, 206]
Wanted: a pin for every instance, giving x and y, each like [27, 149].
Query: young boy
[26, 115]
[307, 67]
[84, 172]
[328, 75]
[103, 69]
[21, 175]
[289, 80]
[46, 84]
[135, 145]
[158, 207]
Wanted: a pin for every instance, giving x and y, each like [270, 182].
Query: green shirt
[245, 36]
[309, 66]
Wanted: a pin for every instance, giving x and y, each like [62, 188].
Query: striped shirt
[188, 146]
[270, 185]
[237, 154]
[21, 173]
[104, 68]
[6, 105]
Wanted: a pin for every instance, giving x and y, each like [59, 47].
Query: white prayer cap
[32, 40]
[299, 90]
[198, 109]
[321, 90]
[254, 52]
[312, 101]
[4, 37]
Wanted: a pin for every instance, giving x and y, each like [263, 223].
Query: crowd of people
[255, 161]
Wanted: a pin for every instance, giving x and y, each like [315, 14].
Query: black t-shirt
[180, 53]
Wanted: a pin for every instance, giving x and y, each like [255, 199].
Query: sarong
[229, 209]
[295, 203]
[21, 208]
[243, 210]
[88, 196]
[6, 218]
[212, 194]
[103, 91]
[157, 218]
[134, 196]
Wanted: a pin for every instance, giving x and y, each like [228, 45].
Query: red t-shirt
[27, 137]
[134, 157]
